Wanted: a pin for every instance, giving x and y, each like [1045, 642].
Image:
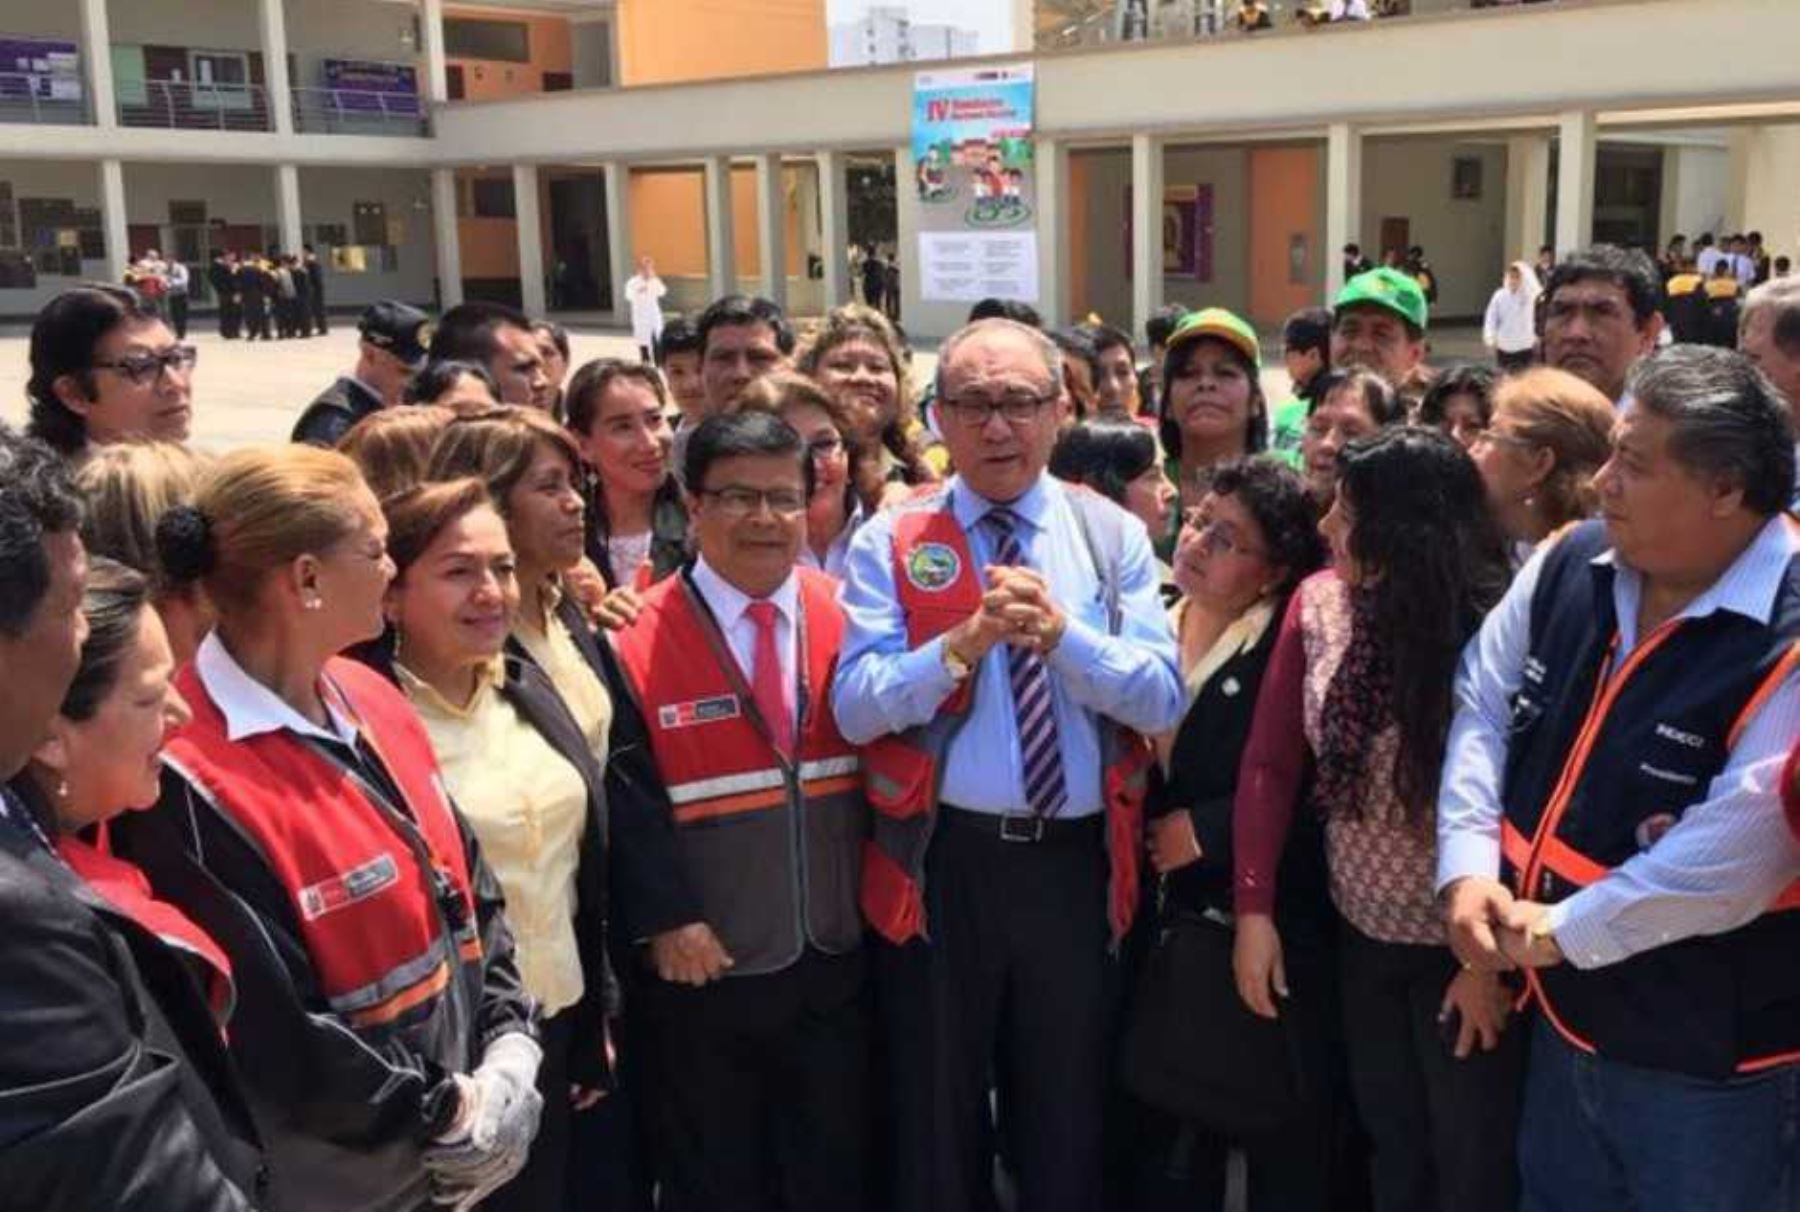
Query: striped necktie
[1045, 790]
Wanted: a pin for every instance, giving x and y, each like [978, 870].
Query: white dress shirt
[730, 606]
[251, 708]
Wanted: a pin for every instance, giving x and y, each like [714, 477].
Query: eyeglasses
[145, 368]
[974, 412]
[824, 446]
[1220, 538]
[739, 503]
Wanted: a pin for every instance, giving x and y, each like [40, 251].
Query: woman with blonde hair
[128, 487]
[857, 357]
[392, 447]
[1549, 434]
[389, 1048]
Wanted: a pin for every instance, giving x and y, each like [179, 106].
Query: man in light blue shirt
[1622, 721]
[1002, 631]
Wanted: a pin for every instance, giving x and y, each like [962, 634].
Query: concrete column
[1575, 181]
[834, 229]
[273, 20]
[431, 38]
[1740, 150]
[771, 228]
[1343, 200]
[446, 236]
[913, 308]
[620, 259]
[721, 247]
[1053, 230]
[1146, 229]
[96, 60]
[531, 239]
[1527, 195]
[287, 208]
[113, 221]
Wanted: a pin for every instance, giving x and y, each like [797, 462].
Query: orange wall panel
[663, 41]
[1284, 191]
[668, 220]
[488, 79]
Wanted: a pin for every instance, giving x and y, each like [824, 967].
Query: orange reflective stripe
[1569, 863]
[836, 786]
[1515, 847]
[1536, 986]
[1762, 1064]
[1790, 660]
[406, 999]
[729, 805]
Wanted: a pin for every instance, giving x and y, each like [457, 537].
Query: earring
[315, 604]
[62, 789]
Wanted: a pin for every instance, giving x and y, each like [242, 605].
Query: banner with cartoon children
[974, 174]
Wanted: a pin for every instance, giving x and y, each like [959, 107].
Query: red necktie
[767, 685]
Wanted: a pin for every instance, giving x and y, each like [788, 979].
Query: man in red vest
[1006, 653]
[742, 807]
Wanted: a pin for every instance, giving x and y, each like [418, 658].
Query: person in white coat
[1510, 328]
[644, 292]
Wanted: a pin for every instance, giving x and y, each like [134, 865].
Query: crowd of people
[740, 778]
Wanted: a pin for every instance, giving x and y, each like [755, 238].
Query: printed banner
[361, 84]
[47, 68]
[974, 173]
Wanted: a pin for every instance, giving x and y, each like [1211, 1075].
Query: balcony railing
[1070, 23]
[348, 111]
[32, 97]
[180, 105]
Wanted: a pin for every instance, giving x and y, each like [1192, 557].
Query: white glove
[494, 1125]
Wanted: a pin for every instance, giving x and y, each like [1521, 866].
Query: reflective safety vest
[939, 585]
[771, 841]
[1603, 758]
[381, 892]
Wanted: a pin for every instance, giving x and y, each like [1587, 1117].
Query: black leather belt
[1023, 827]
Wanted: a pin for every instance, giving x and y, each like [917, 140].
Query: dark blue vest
[1598, 770]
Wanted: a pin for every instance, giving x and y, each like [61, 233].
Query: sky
[992, 19]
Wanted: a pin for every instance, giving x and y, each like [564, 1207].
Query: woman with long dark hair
[1358, 696]
[1213, 409]
[637, 528]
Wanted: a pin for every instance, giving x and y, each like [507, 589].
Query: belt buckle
[1015, 827]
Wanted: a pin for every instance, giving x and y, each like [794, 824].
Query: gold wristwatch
[954, 665]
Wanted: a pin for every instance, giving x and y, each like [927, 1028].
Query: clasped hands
[496, 1120]
[1016, 609]
[1493, 931]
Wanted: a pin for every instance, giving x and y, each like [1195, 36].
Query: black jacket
[529, 690]
[345, 1115]
[337, 408]
[1203, 777]
[115, 1088]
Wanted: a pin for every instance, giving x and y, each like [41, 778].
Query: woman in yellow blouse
[522, 773]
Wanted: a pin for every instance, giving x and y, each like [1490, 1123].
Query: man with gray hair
[1769, 334]
[1609, 819]
[1004, 658]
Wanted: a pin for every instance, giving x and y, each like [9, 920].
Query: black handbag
[1193, 1049]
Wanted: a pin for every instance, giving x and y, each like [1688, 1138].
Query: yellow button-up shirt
[528, 806]
[581, 689]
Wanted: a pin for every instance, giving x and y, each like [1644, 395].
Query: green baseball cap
[1386, 288]
[1220, 325]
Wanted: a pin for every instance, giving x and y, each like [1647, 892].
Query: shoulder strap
[1103, 530]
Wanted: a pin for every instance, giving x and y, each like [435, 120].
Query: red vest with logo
[374, 893]
[771, 841]
[939, 585]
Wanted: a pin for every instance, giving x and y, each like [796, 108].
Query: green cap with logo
[1389, 289]
[1220, 325]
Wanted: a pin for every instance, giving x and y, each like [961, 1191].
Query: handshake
[1493, 931]
[488, 1143]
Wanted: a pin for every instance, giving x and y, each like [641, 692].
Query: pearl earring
[314, 604]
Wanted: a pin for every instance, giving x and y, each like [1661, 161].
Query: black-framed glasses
[147, 367]
[974, 412]
[736, 502]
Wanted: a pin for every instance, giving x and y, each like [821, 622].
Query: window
[221, 80]
[492, 198]
[187, 214]
[9, 221]
[474, 38]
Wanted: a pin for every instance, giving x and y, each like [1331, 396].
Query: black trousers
[542, 1186]
[1511, 363]
[1444, 1130]
[1013, 991]
[178, 315]
[758, 1088]
[316, 305]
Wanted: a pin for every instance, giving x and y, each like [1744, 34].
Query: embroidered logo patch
[341, 891]
[932, 566]
[700, 711]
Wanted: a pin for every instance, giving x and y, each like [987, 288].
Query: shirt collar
[728, 602]
[489, 675]
[252, 709]
[1032, 507]
[1750, 585]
